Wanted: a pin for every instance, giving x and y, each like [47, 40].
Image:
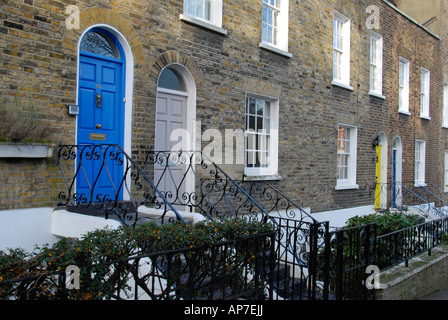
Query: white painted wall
[26, 228]
[338, 218]
[75, 225]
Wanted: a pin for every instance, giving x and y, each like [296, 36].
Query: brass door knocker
[99, 100]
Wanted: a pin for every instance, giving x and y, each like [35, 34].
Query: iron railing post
[326, 263]
[339, 263]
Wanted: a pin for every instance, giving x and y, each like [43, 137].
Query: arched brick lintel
[95, 16]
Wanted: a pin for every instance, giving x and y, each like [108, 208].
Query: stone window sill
[203, 24]
[270, 47]
[262, 178]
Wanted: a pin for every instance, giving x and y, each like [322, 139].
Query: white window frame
[424, 94]
[446, 172]
[348, 182]
[214, 21]
[280, 26]
[341, 48]
[376, 64]
[403, 86]
[445, 106]
[420, 163]
[272, 159]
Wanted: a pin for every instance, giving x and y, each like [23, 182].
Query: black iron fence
[311, 262]
[427, 200]
[297, 262]
[400, 246]
[346, 255]
[233, 269]
[173, 184]
[103, 178]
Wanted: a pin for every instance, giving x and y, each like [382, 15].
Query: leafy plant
[20, 122]
[105, 252]
[352, 250]
[386, 221]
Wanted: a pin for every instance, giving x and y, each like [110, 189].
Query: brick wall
[39, 57]
[425, 274]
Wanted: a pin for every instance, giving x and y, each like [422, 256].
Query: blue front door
[100, 122]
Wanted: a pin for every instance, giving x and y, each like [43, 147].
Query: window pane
[343, 167]
[198, 8]
[270, 23]
[260, 107]
[267, 124]
[252, 124]
[263, 159]
[417, 151]
[250, 141]
[199, 12]
[257, 133]
[337, 34]
[252, 104]
[343, 153]
[207, 9]
[189, 7]
[337, 58]
[250, 156]
[374, 78]
[260, 124]
[99, 43]
[373, 51]
[401, 76]
[170, 79]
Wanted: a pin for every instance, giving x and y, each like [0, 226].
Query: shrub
[20, 122]
[386, 221]
[105, 251]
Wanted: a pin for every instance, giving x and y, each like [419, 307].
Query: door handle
[99, 100]
[98, 126]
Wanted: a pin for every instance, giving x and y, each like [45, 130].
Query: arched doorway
[381, 173]
[104, 85]
[397, 160]
[175, 131]
[176, 109]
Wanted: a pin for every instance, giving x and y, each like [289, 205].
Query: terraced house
[341, 105]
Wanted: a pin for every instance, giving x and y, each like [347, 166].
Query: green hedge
[101, 247]
[386, 221]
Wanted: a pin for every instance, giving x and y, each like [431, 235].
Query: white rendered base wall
[26, 228]
[338, 218]
[75, 225]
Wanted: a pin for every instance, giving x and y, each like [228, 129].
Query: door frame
[381, 173]
[190, 93]
[128, 80]
[397, 148]
[190, 117]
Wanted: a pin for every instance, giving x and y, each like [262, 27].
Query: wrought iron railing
[346, 255]
[103, 178]
[310, 261]
[425, 200]
[226, 270]
[170, 185]
[202, 186]
[191, 182]
[400, 246]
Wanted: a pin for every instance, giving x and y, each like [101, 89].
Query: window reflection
[100, 43]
